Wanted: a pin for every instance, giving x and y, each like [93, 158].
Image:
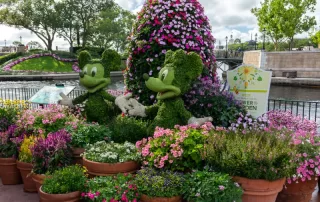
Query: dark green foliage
[8, 57]
[65, 180]
[159, 183]
[204, 186]
[35, 50]
[111, 59]
[89, 134]
[255, 155]
[128, 129]
[84, 58]
[65, 54]
[95, 52]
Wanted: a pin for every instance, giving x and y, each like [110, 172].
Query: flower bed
[75, 66]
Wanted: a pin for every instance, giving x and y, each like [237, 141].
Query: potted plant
[177, 149]
[104, 158]
[24, 163]
[203, 186]
[64, 185]
[50, 154]
[8, 152]
[300, 186]
[86, 134]
[117, 188]
[159, 185]
[258, 158]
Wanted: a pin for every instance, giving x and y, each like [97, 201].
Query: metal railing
[309, 110]
[233, 54]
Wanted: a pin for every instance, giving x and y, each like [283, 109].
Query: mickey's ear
[194, 65]
[83, 58]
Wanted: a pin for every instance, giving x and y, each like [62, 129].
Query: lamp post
[226, 46]
[255, 41]
[264, 38]
[5, 43]
[20, 39]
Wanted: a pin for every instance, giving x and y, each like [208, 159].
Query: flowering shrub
[111, 152]
[119, 188]
[256, 154]
[8, 148]
[8, 67]
[9, 109]
[305, 138]
[204, 186]
[45, 120]
[280, 119]
[177, 149]
[51, 153]
[65, 180]
[246, 123]
[25, 154]
[206, 99]
[162, 26]
[159, 183]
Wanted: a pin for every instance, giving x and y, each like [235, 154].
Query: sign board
[50, 94]
[251, 86]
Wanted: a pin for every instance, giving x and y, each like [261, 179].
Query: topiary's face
[92, 77]
[163, 85]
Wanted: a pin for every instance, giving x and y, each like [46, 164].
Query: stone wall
[307, 64]
[252, 58]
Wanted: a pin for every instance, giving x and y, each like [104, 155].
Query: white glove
[199, 121]
[123, 103]
[137, 108]
[65, 100]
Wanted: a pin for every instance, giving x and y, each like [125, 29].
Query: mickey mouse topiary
[99, 106]
[175, 78]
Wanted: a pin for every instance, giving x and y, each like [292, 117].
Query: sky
[226, 17]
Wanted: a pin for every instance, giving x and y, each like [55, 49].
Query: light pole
[255, 42]
[5, 43]
[21, 39]
[226, 46]
[264, 38]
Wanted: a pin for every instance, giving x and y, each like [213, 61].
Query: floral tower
[164, 25]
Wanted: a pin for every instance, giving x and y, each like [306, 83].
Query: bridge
[228, 60]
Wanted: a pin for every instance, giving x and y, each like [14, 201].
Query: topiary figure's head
[176, 76]
[95, 76]
[83, 58]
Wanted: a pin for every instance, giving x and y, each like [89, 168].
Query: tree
[87, 13]
[34, 45]
[16, 43]
[295, 20]
[269, 17]
[40, 17]
[316, 38]
[112, 28]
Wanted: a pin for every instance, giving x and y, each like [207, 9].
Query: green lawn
[45, 64]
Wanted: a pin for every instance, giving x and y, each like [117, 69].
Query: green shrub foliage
[8, 57]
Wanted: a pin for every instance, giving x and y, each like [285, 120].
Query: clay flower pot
[10, 174]
[298, 192]
[77, 159]
[69, 197]
[38, 179]
[25, 170]
[259, 190]
[106, 169]
[145, 198]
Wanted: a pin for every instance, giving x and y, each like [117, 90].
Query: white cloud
[226, 17]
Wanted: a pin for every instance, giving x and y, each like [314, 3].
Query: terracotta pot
[10, 174]
[297, 192]
[38, 179]
[77, 159]
[259, 190]
[69, 197]
[25, 170]
[106, 169]
[145, 198]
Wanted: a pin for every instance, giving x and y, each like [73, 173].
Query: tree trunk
[78, 37]
[49, 46]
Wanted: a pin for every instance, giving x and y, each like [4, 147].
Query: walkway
[14, 193]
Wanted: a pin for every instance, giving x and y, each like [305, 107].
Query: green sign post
[251, 86]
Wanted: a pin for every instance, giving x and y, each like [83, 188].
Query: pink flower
[221, 187]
